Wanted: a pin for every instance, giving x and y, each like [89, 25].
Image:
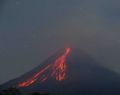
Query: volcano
[68, 72]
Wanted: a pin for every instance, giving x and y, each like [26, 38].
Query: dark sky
[31, 30]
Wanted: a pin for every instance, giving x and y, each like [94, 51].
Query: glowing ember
[34, 78]
[58, 71]
[59, 67]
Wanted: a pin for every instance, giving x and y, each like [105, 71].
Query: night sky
[31, 30]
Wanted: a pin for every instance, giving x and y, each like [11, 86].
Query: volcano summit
[69, 72]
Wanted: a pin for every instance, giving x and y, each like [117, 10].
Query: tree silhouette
[15, 91]
[37, 93]
[10, 91]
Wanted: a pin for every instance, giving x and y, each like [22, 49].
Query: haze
[31, 30]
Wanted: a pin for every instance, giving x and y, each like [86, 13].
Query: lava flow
[59, 66]
[57, 71]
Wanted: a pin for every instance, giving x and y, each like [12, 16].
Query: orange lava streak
[33, 79]
[58, 71]
[59, 67]
[44, 79]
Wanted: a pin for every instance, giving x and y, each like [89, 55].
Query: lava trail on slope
[58, 71]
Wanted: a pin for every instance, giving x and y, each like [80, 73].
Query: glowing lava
[59, 66]
[34, 78]
[57, 71]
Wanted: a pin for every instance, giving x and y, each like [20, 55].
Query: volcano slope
[68, 72]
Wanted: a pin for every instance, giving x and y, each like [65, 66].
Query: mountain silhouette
[69, 72]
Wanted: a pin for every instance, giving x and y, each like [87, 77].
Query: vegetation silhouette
[37, 93]
[15, 91]
[10, 91]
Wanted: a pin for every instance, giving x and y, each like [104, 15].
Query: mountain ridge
[83, 74]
